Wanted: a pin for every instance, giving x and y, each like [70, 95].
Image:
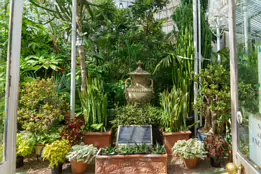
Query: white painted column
[195, 33]
[12, 83]
[73, 59]
[199, 48]
[245, 25]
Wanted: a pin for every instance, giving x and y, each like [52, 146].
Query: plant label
[134, 135]
[255, 139]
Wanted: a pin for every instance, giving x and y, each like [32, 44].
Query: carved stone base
[131, 164]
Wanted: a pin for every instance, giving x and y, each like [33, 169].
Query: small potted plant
[216, 147]
[190, 151]
[56, 153]
[24, 147]
[43, 139]
[80, 156]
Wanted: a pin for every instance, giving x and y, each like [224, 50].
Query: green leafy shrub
[214, 101]
[189, 149]
[40, 106]
[25, 144]
[46, 138]
[56, 152]
[136, 149]
[135, 115]
[82, 153]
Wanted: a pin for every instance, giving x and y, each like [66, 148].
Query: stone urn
[139, 87]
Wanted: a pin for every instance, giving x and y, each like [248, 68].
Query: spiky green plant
[174, 104]
[95, 105]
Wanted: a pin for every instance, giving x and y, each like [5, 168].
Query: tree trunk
[81, 48]
[213, 130]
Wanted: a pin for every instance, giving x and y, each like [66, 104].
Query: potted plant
[56, 153]
[95, 111]
[80, 156]
[190, 151]
[43, 139]
[173, 117]
[214, 101]
[216, 147]
[40, 106]
[126, 159]
[24, 147]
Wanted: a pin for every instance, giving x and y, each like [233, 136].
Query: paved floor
[177, 167]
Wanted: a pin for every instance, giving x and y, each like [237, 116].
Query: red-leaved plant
[216, 146]
[72, 131]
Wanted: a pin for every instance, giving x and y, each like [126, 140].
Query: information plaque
[134, 135]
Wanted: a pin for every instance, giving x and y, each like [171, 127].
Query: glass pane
[4, 20]
[249, 79]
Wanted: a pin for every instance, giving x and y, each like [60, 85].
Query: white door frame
[12, 86]
[237, 157]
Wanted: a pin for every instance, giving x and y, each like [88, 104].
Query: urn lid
[139, 70]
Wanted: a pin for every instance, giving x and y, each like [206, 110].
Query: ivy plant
[82, 153]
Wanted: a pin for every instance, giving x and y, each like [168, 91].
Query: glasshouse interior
[130, 86]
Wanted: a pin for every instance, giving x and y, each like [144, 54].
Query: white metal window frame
[12, 86]
[237, 157]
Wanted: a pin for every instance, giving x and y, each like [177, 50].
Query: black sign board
[132, 135]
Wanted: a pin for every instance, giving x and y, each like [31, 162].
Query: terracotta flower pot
[191, 163]
[78, 167]
[171, 138]
[38, 149]
[98, 139]
[131, 164]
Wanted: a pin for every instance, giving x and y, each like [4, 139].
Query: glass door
[245, 67]
[10, 46]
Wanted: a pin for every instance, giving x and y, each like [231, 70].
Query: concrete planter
[131, 164]
[171, 138]
[98, 139]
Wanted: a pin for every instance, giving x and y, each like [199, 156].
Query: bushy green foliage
[46, 138]
[136, 149]
[25, 144]
[135, 115]
[214, 101]
[174, 110]
[189, 149]
[40, 106]
[56, 152]
[82, 153]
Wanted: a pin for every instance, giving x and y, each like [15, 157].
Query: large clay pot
[78, 167]
[140, 89]
[191, 163]
[98, 139]
[171, 138]
[57, 169]
[131, 164]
